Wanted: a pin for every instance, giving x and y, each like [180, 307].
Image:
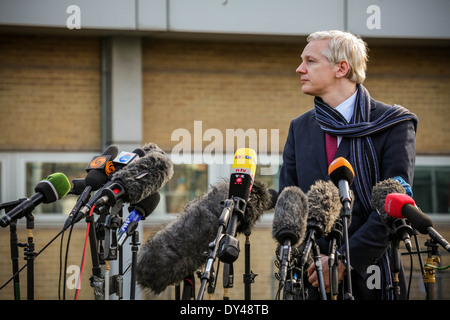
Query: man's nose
[301, 68]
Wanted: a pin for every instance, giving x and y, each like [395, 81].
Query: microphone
[324, 209]
[396, 226]
[342, 174]
[402, 206]
[138, 179]
[179, 248]
[98, 170]
[78, 186]
[241, 181]
[52, 188]
[159, 167]
[137, 211]
[289, 224]
[124, 158]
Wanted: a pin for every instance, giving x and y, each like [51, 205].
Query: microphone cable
[61, 268]
[77, 292]
[26, 264]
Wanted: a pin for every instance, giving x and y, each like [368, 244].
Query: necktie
[331, 147]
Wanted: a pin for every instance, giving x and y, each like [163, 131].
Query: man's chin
[308, 91]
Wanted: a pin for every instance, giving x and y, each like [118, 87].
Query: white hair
[345, 46]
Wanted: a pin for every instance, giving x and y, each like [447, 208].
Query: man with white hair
[377, 139]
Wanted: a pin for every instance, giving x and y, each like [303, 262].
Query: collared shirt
[346, 108]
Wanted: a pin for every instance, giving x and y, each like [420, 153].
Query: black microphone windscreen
[140, 152]
[112, 150]
[240, 185]
[291, 212]
[145, 176]
[419, 220]
[146, 206]
[78, 186]
[379, 194]
[324, 205]
[95, 179]
[273, 198]
[260, 200]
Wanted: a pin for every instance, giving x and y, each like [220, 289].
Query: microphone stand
[335, 237]
[429, 278]
[345, 218]
[398, 227]
[395, 268]
[311, 244]
[8, 206]
[188, 288]
[134, 250]
[29, 256]
[112, 223]
[97, 281]
[249, 276]
[319, 270]
[15, 259]
[228, 279]
[228, 206]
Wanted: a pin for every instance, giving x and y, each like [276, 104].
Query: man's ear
[342, 69]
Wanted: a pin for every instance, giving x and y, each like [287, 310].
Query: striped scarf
[363, 156]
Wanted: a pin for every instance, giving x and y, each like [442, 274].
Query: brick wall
[46, 264]
[51, 89]
[417, 78]
[50, 100]
[241, 85]
[50, 93]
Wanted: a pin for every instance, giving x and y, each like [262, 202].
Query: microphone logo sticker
[239, 179]
[388, 206]
[109, 168]
[97, 162]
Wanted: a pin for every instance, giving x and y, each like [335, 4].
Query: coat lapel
[318, 140]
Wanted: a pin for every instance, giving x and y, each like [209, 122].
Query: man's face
[317, 74]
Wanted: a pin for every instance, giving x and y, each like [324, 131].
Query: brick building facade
[51, 100]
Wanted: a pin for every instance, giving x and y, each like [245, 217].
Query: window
[37, 171]
[431, 188]
[431, 185]
[189, 181]
[21, 172]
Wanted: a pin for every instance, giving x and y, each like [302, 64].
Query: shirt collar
[346, 108]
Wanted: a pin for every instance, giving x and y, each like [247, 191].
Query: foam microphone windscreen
[291, 212]
[54, 187]
[402, 206]
[151, 147]
[177, 250]
[145, 176]
[324, 205]
[379, 194]
[146, 206]
[341, 169]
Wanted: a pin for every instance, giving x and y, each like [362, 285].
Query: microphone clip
[229, 244]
